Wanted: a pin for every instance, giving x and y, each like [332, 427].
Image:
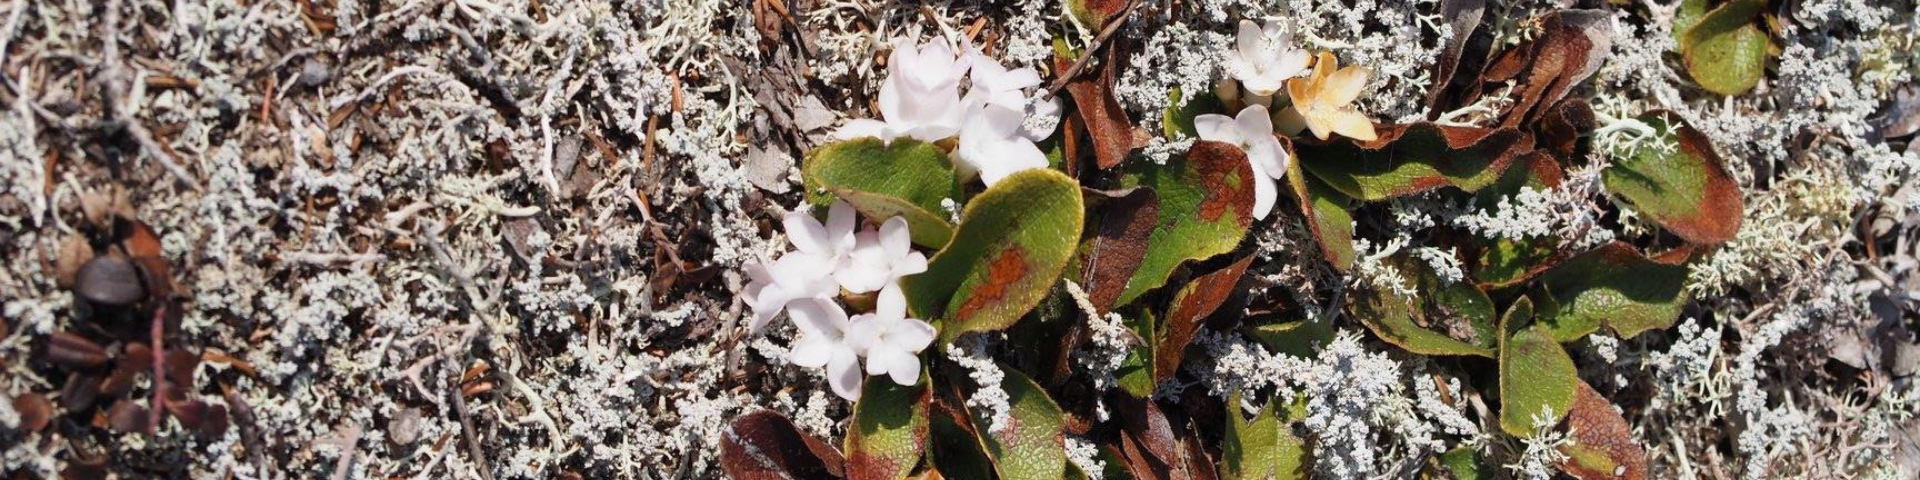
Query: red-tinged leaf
[888, 431]
[1603, 446]
[1726, 50]
[1326, 213]
[1570, 47]
[1120, 244]
[1095, 13]
[1537, 378]
[1206, 206]
[1095, 104]
[1463, 16]
[34, 410]
[1190, 309]
[1414, 158]
[1561, 127]
[764, 445]
[1686, 190]
[1013, 242]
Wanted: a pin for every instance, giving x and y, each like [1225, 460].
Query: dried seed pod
[109, 280]
[80, 391]
[34, 410]
[127, 417]
[74, 352]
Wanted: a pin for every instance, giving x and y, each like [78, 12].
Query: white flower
[1252, 131]
[1265, 58]
[891, 341]
[994, 84]
[920, 98]
[879, 258]
[824, 342]
[992, 145]
[806, 272]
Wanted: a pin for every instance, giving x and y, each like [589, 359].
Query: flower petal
[862, 332]
[1248, 41]
[1263, 196]
[806, 233]
[911, 334]
[892, 303]
[862, 128]
[911, 264]
[818, 316]
[895, 239]
[811, 351]
[766, 304]
[1216, 127]
[840, 222]
[858, 276]
[1011, 156]
[1352, 124]
[843, 374]
[1344, 86]
[893, 107]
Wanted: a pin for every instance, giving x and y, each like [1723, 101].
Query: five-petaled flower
[1252, 131]
[891, 341]
[1323, 102]
[1264, 58]
[992, 144]
[880, 258]
[807, 272]
[824, 342]
[920, 99]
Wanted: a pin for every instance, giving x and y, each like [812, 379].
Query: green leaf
[1031, 446]
[1536, 376]
[1177, 121]
[1686, 16]
[1135, 375]
[1463, 463]
[1299, 338]
[1263, 449]
[1686, 190]
[908, 178]
[1410, 159]
[1507, 262]
[1206, 205]
[954, 450]
[888, 431]
[1611, 286]
[1013, 242]
[1726, 51]
[1326, 212]
[764, 445]
[1093, 14]
[1451, 319]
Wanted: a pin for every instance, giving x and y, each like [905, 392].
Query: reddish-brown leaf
[74, 352]
[1190, 308]
[764, 445]
[1099, 110]
[1570, 47]
[34, 410]
[1007, 267]
[1414, 158]
[1603, 446]
[1120, 244]
[1560, 128]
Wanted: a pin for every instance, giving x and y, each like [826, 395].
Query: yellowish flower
[1323, 102]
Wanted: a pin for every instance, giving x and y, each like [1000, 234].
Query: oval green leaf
[1536, 377]
[1613, 286]
[1014, 240]
[907, 178]
[1206, 205]
[888, 431]
[1687, 190]
[1726, 51]
[1032, 444]
[1451, 319]
[1410, 159]
[1326, 212]
[1264, 449]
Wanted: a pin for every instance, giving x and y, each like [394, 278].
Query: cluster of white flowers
[920, 99]
[828, 259]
